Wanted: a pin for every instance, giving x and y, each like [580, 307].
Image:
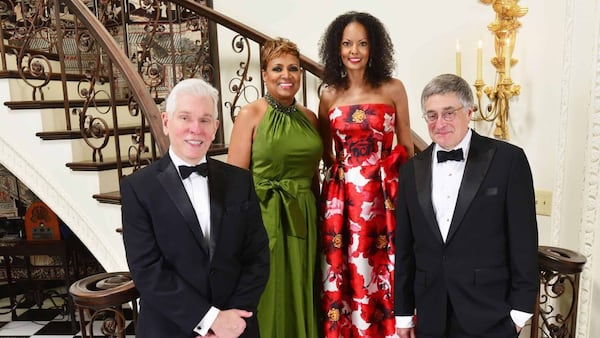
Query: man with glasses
[466, 233]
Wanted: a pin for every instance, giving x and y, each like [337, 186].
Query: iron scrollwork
[32, 35]
[138, 145]
[556, 311]
[92, 128]
[240, 85]
[556, 323]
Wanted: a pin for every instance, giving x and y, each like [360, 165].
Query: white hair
[195, 87]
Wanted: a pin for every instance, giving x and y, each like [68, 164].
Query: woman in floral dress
[362, 111]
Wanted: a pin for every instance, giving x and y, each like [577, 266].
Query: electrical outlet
[543, 202]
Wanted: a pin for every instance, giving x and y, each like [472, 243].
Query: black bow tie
[452, 155]
[186, 171]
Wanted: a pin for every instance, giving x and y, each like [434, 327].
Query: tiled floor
[50, 320]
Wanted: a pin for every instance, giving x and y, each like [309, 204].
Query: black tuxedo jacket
[178, 273]
[488, 264]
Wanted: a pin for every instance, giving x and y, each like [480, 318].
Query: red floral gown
[359, 223]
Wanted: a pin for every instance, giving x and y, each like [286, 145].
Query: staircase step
[11, 49]
[76, 134]
[108, 164]
[114, 197]
[14, 74]
[50, 104]
[218, 149]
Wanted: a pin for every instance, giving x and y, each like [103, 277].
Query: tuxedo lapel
[480, 155]
[422, 165]
[171, 181]
[216, 187]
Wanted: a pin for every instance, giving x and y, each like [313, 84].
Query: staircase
[82, 88]
[41, 166]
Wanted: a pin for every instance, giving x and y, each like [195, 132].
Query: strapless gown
[359, 223]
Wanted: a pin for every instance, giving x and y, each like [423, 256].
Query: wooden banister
[137, 86]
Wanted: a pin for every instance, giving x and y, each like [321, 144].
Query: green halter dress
[285, 154]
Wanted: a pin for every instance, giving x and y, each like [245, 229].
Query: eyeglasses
[448, 115]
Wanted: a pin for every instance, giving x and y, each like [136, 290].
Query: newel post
[556, 309]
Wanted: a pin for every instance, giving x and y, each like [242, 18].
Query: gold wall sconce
[504, 29]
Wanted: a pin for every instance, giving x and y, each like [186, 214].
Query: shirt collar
[465, 144]
[177, 161]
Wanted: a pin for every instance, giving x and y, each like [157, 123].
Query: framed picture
[8, 184]
[7, 205]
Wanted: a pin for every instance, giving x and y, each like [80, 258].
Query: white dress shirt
[445, 182]
[196, 187]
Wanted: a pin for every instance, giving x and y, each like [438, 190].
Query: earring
[370, 62]
[343, 72]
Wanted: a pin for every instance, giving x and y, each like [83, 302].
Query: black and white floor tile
[47, 317]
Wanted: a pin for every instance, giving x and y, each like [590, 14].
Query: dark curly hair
[381, 50]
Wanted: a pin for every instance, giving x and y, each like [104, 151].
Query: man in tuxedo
[466, 233]
[195, 242]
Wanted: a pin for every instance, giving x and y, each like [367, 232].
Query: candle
[479, 58]
[458, 62]
[507, 59]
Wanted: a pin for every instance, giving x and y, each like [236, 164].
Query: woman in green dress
[277, 139]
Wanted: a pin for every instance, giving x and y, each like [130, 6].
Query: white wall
[425, 33]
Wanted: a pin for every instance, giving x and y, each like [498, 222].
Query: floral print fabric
[359, 223]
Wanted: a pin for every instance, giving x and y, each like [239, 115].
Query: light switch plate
[543, 202]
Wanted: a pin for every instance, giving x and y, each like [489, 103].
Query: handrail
[419, 143]
[254, 35]
[136, 84]
[138, 88]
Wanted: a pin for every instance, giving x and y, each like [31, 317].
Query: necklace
[280, 107]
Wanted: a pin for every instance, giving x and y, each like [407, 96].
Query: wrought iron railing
[556, 313]
[124, 56]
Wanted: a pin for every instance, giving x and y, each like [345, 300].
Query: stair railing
[174, 40]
